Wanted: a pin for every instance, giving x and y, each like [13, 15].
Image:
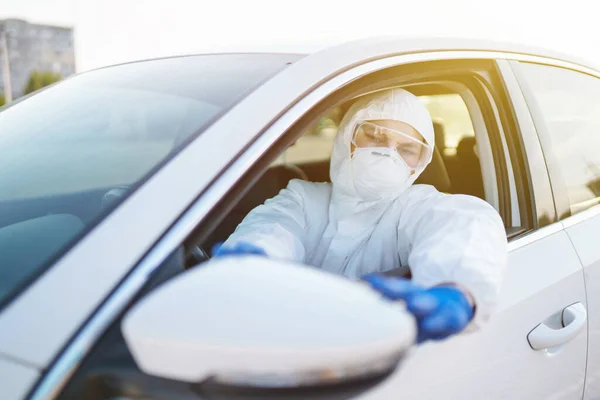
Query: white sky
[111, 31]
[57, 12]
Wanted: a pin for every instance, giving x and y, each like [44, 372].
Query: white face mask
[379, 172]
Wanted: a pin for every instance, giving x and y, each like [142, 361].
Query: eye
[408, 151]
[374, 135]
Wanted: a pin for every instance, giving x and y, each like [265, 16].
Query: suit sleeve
[278, 226]
[461, 240]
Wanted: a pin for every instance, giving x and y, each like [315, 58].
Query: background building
[35, 47]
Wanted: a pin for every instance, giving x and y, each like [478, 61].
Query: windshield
[70, 153]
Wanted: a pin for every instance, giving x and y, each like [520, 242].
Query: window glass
[317, 142]
[69, 153]
[451, 120]
[569, 103]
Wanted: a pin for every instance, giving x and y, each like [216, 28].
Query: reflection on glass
[569, 102]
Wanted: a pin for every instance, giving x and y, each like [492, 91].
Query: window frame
[488, 108]
[240, 173]
[541, 199]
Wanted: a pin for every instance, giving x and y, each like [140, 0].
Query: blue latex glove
[440, 311]
[241, 248]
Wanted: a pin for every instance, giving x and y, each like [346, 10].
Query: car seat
[436, 174]
[466, 177]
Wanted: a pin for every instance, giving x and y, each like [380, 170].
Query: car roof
[386, 46]
[356, 51]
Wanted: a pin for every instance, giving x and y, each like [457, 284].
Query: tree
[39, 79]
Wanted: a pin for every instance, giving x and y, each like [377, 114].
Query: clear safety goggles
[413, 151]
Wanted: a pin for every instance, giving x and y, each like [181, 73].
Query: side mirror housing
[256, 322]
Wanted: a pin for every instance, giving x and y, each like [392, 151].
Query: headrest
[436, 174]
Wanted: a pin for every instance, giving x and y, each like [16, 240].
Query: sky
[113, 31]
[56, 12]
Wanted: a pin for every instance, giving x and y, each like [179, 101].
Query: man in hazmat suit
[371, 219]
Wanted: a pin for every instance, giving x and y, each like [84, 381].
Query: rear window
[70, 153]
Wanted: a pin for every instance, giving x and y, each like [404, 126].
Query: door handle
[573, 319]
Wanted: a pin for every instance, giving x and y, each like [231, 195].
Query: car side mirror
[255, 322]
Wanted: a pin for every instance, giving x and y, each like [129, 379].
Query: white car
[119, 179]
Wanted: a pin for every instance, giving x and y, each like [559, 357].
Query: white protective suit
[442, 238]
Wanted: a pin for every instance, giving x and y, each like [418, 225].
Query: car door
[565, 101]
[544, 282]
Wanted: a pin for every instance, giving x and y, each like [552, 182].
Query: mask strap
[352, 143]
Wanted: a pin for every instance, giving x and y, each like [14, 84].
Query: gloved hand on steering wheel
[238, 249]
[440, 311]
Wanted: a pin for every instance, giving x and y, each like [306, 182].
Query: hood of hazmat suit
[350, 195]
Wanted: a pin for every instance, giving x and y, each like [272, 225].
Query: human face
[397, 135]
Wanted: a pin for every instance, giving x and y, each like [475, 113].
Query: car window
[569, 103]
[317, 142]
[456, 143]
[451, 121]
[68, 154]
